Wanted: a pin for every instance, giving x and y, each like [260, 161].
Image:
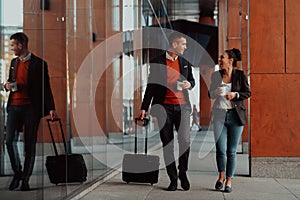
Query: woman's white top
[222, 102]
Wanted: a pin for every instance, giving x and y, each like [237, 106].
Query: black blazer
[39, 89]
[239, 84]
[157, 81]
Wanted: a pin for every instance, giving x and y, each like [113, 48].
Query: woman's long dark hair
[235, 54]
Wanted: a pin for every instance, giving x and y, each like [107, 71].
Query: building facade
[97, 57]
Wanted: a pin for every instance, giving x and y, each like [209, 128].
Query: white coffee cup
[223, 90]
[179, 85]
[13, 86]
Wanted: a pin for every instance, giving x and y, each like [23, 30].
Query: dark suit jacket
[38, 86]
[239, 84]
[157, 82]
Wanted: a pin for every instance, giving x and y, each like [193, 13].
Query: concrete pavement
[202, 174]
[202, 188]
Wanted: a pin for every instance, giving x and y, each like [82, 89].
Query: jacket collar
[168, 56]
[26, 58]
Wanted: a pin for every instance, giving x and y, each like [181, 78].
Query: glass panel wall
[98, 54]
[10, 23]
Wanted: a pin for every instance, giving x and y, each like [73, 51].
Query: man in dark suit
[29, 100]
[168, 83]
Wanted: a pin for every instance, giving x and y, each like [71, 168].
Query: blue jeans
[227, 132]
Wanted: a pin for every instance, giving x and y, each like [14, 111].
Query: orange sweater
[173, 96]
[21, 97]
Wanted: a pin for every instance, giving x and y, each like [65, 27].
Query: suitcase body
[140, 168]
[65, 168]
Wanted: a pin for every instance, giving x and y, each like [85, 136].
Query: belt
[230, 110]
[225, 110]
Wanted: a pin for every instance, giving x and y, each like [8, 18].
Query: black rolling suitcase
[140, 168]
[65, 168]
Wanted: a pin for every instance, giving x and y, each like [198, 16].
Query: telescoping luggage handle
[145, 124]
[51, 134]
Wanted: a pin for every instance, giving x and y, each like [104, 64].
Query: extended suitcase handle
[144, 120]
[62, 134]
[145, 124]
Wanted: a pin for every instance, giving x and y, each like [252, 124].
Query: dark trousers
[177, 116]
[22, 116]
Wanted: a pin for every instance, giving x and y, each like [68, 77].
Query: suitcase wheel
[127, 182]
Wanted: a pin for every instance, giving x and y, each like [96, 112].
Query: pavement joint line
[100, 180]
[147, 194]
[287, 189]
[93, 184]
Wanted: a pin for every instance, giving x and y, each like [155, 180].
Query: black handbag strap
[145, 124]
[62, 134]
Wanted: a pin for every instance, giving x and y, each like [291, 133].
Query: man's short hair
[174, 36]
[20, 37]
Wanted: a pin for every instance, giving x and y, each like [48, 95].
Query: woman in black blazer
[229, 87]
